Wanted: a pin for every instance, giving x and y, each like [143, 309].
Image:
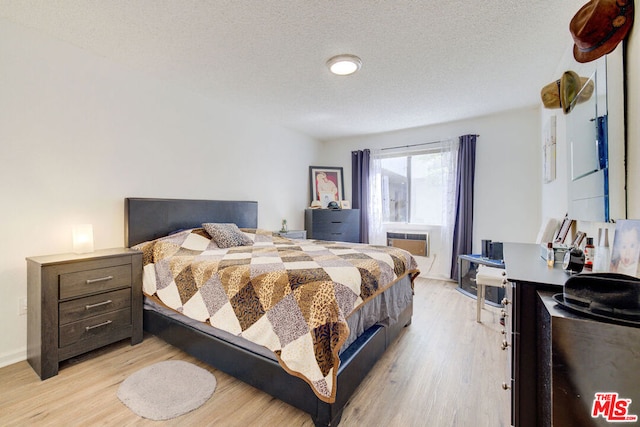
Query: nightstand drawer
[78, 309]
[91, 281]
[293, 234]
[94, 328]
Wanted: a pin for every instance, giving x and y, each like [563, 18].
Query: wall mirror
[595, 138]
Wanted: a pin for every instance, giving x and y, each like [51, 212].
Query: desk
[467, 266]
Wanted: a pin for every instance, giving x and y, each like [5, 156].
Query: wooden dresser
[333, 224]
[77, 303]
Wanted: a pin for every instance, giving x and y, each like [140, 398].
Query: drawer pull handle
[99, 279]
[336, 222]
[88, 328]
[90, 306]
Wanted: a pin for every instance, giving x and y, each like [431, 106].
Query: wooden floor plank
[445, 370]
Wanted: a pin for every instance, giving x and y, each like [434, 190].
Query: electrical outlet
[22, 306]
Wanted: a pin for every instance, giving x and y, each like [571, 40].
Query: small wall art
[327, 184]
[549, 150]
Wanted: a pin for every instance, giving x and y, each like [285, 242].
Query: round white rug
[167, 389]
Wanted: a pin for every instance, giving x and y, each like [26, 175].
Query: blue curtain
[360, 160]
[463, 224]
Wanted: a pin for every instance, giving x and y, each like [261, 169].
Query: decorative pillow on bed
[227, 235]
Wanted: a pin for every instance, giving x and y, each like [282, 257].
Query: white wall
[508, 170]
[78, 134]
[624, 203]
[556, 195]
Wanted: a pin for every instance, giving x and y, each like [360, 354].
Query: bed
[177, 223]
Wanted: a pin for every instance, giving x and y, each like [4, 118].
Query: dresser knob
[506, 386]
[505, 301]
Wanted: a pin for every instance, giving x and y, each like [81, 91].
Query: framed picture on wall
[327, 184]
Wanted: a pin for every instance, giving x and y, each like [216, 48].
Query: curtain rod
[415, 145]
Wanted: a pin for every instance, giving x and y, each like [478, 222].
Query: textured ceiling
[424, 62]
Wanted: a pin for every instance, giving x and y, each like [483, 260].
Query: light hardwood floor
[444, 370]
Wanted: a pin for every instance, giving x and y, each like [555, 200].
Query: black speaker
[495, 250]
[486, 248]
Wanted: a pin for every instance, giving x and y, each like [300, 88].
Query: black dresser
[333, 225]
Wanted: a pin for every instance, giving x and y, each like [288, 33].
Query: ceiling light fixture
[343, 65]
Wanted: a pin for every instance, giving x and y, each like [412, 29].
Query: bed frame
[147, 219]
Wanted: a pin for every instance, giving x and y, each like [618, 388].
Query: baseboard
[10, 358]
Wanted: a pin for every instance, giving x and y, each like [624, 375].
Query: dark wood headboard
[147, 219]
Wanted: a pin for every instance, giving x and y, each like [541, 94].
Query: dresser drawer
[82, 308]
[333, 226]
[330, 216]
[94, 328]
[335, 236]
[96, 280]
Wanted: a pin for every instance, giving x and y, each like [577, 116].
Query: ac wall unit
[415, 243]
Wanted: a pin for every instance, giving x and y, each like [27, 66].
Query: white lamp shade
[82, 238]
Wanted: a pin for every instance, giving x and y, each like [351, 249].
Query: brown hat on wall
[599, 26]
[562, 92]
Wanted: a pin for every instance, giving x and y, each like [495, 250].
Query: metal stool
[488, 276]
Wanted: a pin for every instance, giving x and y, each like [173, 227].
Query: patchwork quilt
[291, 296]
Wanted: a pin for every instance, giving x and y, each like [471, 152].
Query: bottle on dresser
[602, 257]
[589, 252]
[550, 258]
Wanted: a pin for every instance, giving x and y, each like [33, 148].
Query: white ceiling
[424, 62]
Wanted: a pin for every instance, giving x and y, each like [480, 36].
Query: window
[413, 187]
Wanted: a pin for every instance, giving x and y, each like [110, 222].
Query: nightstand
[80, 302]
[293, 234]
